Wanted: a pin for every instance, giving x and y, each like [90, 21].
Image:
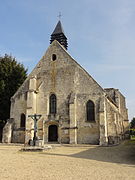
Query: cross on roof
[59, 16]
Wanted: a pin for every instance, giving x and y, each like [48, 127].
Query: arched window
[90, 110]
[54, 57]
[23, 119]
[53, 104]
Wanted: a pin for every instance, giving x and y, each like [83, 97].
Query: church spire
[58, 34]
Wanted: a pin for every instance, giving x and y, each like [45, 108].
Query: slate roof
[58, 29]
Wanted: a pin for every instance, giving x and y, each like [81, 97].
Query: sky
[101, 37]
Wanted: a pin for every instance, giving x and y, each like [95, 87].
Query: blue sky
[101, 37]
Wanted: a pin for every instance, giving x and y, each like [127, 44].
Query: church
[60, 102]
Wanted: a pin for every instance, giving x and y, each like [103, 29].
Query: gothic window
[53, 104]
[90, 111]
[23, 119]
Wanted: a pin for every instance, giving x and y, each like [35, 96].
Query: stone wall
[73, 87]
[7, 131]
[18, 136]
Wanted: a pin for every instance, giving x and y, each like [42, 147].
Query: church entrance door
[53, 133]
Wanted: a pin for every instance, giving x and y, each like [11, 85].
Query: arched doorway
[52, 133]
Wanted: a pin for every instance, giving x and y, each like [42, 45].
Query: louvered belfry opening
[58, 34]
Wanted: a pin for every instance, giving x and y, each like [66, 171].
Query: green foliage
[132, 123]
[12, 75]
[132, 132]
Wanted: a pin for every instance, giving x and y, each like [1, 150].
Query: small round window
[54, 57]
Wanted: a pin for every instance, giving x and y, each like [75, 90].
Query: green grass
[132, 137]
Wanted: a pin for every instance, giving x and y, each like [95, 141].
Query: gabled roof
[36, 69]
[58, 29]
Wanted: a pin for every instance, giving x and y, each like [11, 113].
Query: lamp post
[35, 117]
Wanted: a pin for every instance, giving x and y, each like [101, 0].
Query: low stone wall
[113, 140]
[18, 136]
[7, 131]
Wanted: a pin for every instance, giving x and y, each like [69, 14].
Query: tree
[132, 123]
[12, 75]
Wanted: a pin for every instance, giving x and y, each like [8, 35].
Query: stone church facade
[74, 108]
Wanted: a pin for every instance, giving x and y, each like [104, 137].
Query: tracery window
[90, 111]
[53, 104]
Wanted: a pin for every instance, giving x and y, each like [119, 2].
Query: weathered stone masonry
[58, 74]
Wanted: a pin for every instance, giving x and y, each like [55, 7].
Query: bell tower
[58, 34]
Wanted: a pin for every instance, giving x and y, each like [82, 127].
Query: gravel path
[66, 163]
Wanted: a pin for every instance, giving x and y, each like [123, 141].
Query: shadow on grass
[122, 154]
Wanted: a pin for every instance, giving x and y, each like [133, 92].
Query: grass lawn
[132, 137]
